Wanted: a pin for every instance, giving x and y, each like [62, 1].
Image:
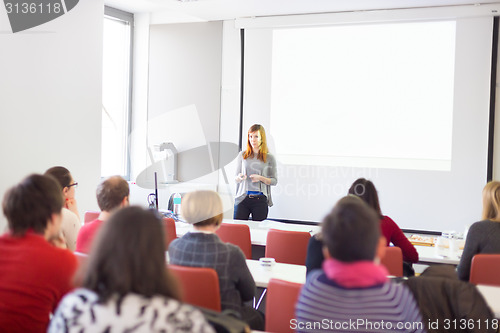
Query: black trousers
[252, 204]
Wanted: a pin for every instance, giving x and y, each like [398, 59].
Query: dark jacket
[448, 304]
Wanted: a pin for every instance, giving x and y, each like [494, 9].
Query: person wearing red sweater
[35, 268]
[112, 193]
[365, 189]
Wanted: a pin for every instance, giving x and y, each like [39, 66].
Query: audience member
[70, 216]
[112, 194]
[483, 236]
[314, 257]
[352, 292]
[126, 286]
[34, 273]
[365, 189]
[203, 248]
[443, 298]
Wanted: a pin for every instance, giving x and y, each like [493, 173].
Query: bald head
[111, 192]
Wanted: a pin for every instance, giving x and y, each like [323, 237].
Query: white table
[258, 230]
[297, 274]
[492, 297]
[258, 235]
[427, 255]
[287, 272]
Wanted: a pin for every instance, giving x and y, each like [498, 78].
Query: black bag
[224, 323]
[408, 270]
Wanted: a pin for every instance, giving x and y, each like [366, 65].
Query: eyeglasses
[74, 184]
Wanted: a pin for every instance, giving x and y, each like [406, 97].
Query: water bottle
[177, 204]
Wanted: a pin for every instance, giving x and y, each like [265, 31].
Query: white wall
[183, 104]
[185, 71]
[50, 99]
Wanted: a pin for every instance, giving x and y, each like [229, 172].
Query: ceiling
[175, 11]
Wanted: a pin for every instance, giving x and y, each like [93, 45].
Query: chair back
[82, 259]
[288, 247]
[170, 231]
[199, 286]
[237, 234]
[393, 260]
[90, 216]
[485, 269]
[280, 305]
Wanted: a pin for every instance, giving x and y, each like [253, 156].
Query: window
[116, 92]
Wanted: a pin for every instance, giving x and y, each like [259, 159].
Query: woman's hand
[255, 178]
[241, 177]
[258, 178]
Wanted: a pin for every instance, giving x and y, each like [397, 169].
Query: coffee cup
[267, 262]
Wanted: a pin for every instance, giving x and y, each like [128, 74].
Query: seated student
[365, 189]
[34, 273]
[112, 194]
[352, 288]
[125, 285]
[314, 257]
[203, 248]
[443, 299]
[483, 236]
[70, 218]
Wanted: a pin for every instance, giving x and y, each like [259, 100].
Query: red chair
[237, 234]
[287, 246]
[393, 260]
[170, 231]
[90, 216]
[280, 305]
[485, 269]
[199, 285]
[82, 260]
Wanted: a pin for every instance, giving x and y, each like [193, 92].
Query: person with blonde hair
[201, 247]
[126, 285]
[255, 174]
[483, 236]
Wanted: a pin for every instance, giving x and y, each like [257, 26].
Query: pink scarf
[355, 274]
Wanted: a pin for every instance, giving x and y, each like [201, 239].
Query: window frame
[120, 15]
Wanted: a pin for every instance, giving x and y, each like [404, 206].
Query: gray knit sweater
[482, 237]
[255, 166]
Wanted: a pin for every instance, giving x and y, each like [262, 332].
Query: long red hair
[263, 150]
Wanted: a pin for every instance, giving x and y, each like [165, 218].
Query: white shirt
[70, 225]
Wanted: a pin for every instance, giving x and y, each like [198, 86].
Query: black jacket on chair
[448, 304]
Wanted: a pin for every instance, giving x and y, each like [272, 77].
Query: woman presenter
[255, 174]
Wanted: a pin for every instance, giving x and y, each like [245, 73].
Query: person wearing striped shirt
[352, 292]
